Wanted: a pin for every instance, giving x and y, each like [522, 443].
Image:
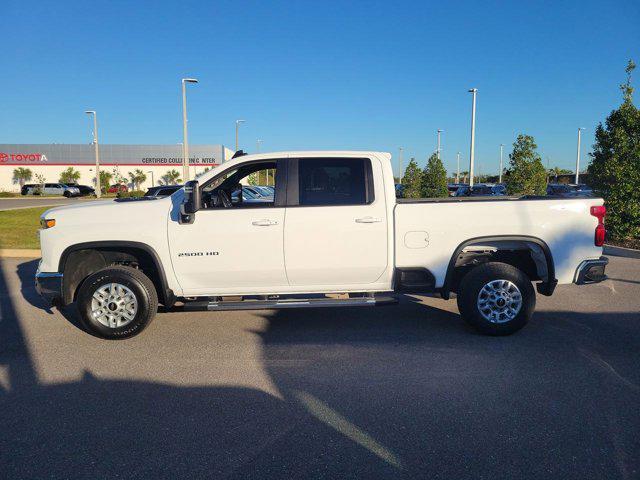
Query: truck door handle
[368, 220]
[265, 222]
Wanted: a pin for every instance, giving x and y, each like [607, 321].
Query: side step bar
[290, 303]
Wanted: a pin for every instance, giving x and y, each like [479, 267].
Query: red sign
[22, 157]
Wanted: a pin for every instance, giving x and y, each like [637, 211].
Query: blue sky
[317, 75]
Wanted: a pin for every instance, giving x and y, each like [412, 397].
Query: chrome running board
[369, 301]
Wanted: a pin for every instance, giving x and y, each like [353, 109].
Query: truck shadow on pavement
[405, 392]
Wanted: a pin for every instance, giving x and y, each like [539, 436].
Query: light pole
[438, 151]
[501, 151]
[458, 170]
[238, 122]
[96, 149]
[400, 161]
[578, 157]
[474, 92]
[153, 183]
[185, 147]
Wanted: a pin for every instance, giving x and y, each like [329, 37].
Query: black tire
[133, 279]
[474, 281]
[67, 194]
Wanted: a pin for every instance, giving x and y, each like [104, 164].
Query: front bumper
[591, 271]
[49, 286]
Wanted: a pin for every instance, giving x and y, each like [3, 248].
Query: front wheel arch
[79, 261]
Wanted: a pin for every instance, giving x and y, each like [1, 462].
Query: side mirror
[192, 201]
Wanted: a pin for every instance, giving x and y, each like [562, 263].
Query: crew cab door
[233, 245]
[336, 222]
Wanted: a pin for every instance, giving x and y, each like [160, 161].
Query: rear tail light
[599, 212]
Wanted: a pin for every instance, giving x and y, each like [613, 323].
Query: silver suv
[54, 189]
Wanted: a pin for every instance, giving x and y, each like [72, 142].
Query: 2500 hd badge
[197, 254]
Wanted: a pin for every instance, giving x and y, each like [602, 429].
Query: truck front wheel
[117, 302]
[496, 298]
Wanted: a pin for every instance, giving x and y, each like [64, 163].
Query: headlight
[47, 223]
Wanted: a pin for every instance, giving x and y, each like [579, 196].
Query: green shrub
[412, 180]
[526, 174]
[434, 179]
[130, 194]
[615, 165]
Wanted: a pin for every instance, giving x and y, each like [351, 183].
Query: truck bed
[429, 230]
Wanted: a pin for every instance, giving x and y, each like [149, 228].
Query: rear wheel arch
[530, 254]
[81, 260]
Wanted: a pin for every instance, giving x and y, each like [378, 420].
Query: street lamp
[96, 149]
[578, 157]
[438, 151]
[458, 170]
[238, 122]
[153, 183]
[400, 161]
[474, 92]
[500, 174]
[185, 149]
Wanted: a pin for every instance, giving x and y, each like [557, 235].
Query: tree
[253, 179]
[22, 175]
[412, 180]
[526, 174]
[137, 177]
[41, 179]
[105, 180]
[117, 176]
[172, 177]
[434, 179]
[615, 164]
[70, 175]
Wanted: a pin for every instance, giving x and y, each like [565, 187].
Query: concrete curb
[19, 253]
[621, 251]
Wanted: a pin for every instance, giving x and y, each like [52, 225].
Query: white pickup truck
[334, 234]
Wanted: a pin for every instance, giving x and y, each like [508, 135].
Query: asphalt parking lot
[30, 202]
[402, 391]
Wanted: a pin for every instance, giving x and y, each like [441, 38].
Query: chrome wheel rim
[499, 301]
[114, 305]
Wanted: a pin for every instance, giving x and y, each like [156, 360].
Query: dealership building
[154, 160]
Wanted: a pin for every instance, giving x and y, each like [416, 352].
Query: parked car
[336, 228]
[24, 190]
[248, 197]
[399, 190]
[118, 188]
[453, 188]
[162, 190]
[85, 190]
[261, 190]
[52, 189]
[481, 190]
[258, 192]
[560, 190]
[583, 190]
[267, 191]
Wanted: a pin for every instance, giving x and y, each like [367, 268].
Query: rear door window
[334, 181]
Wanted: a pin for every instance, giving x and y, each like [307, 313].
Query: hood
[107, 211]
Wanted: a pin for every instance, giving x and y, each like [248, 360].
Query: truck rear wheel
[117, 302]
[496, 298]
